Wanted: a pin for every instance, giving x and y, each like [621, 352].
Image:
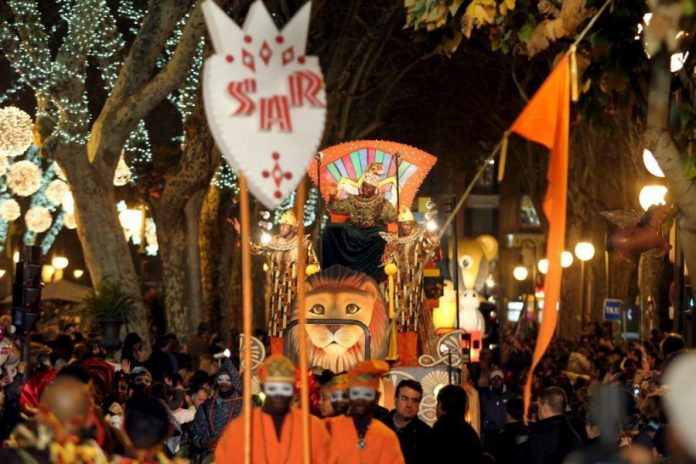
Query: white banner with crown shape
[264, 98]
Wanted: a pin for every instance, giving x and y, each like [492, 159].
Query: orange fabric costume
[382, 444]
[265, 448]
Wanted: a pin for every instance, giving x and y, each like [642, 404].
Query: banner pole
[301, 255]
[246, 312]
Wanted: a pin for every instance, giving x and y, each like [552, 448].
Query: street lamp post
[584, 251]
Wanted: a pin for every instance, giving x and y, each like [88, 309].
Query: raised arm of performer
[335, 205]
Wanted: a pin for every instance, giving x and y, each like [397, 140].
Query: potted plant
[111, 307]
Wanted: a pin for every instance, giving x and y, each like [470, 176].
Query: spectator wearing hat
[277, 426]
[357, 437]
[60, 431]
[213, 416]
[493, 402]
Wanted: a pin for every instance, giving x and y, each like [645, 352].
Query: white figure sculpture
[470, 318]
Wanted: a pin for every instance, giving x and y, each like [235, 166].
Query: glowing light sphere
[24, 178]
[68, 203]
[60, 262]
[652, 195]
[56, 190]
[10, 210]
[520, 273]
[38, 219]
[566, 259]
[584, 251]
[69, 221]
[17, 129]
[651, 164]
[543, 266]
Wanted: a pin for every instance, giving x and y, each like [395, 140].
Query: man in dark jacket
[452, 435]
[508, 444]
[493, 407]
[415, 436]
[552, 437]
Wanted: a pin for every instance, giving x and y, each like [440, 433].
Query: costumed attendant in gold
[58, 432]
[356, 243]
[410, 251]
[276, 427]
[359, 438]
[281, 255]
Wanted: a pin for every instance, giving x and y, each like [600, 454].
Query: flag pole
[469, 188]
[301, 254]
[246, 312]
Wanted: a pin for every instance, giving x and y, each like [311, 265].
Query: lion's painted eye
[352, 309]
[317, 309]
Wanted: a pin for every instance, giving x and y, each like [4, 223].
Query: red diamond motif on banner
[248, 60]
[277, 174]
[288, 55]
[265, 53]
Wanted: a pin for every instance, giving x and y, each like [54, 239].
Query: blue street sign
[612, 309]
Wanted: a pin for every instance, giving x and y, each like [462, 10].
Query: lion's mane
[345, 277]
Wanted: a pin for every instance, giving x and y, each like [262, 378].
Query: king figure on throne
[357, 243]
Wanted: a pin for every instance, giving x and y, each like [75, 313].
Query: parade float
[364, 299]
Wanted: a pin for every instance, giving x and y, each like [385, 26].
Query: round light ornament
[10, 210]
[17, 129]
[38, 219]
[24, 178]
[56, 190]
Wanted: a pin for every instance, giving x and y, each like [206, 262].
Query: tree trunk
[209, 235]
[104, 246]
[173, 245]
[650, 270]
[195, 284]
[659, 140]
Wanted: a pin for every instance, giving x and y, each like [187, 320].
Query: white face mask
[278, 389]
[339, 396]
[362, 393]
[224, 379]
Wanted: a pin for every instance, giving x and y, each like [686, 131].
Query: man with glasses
[415, 436]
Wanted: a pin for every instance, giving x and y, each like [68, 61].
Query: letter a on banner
[264, 98]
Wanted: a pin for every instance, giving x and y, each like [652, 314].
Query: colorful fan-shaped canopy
[344, 165]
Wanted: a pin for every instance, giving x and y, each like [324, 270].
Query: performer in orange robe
[276, 427]
[358, 438]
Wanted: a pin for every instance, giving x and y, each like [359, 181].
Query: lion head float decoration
[347, 295]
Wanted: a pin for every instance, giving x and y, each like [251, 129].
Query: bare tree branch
[157, 27]
[122, 116]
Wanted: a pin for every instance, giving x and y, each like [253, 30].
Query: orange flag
[546, 120]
